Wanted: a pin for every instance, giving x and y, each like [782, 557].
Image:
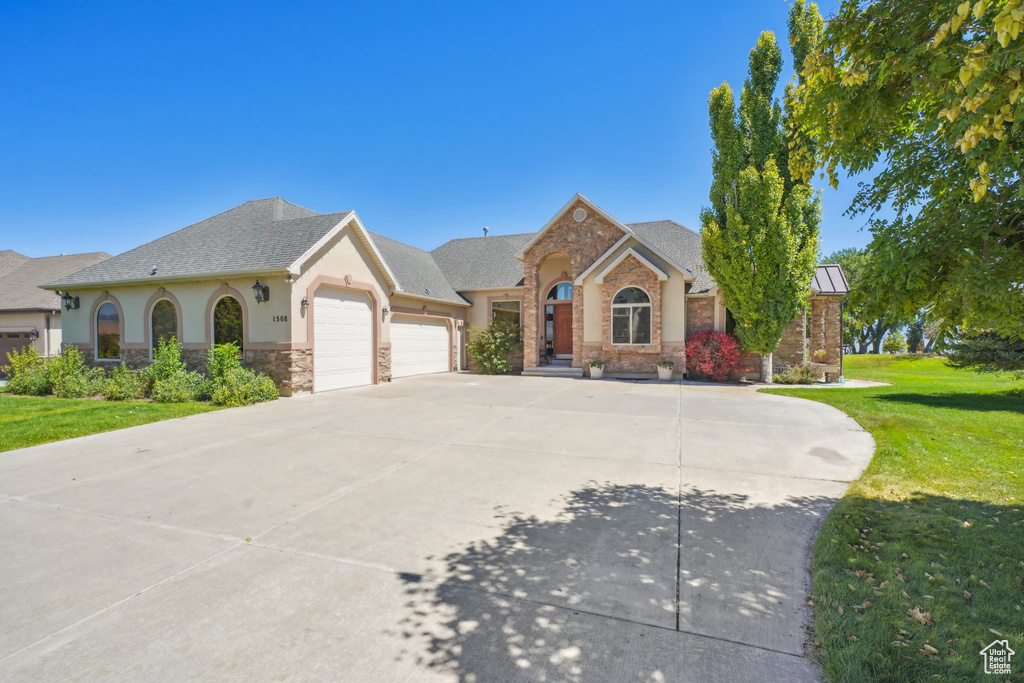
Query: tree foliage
[493, 347]
[760, 233]
[988, 352]
[931, 96]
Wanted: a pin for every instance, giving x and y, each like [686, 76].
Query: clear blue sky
[125, 121]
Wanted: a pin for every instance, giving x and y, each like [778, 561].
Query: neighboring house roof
[417, 272]
[260, 235]
[829, 280]
[483, 262]
[21, 276]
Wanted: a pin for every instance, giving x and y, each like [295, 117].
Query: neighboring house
[318, 302]
[30, 315]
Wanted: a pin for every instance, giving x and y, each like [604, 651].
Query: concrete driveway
[441, 528]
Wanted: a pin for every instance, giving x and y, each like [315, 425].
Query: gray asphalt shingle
[20, 277]
[416, 271]
[483, 262]
[263, 234]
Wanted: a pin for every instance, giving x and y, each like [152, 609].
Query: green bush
[181, 387]
[26, 373]
[223, 359]
[69, 377]
[894, 342]
[242, 387]
[492, 348]
[125, 384]
[798, 374]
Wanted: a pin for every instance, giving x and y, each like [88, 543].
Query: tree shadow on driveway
[594, 592]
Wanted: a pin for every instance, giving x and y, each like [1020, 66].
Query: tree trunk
[766, 368]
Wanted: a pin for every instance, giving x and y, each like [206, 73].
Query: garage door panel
[342, 339]
[419, 346]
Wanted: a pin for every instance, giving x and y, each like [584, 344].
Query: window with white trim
[631, 317]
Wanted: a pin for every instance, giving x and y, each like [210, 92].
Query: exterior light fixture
[384, 314]
[288, 279]
[70, 302]
[304, 303]
[33, 335]
[261, 292]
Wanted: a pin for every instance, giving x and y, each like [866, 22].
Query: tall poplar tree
[760, 234]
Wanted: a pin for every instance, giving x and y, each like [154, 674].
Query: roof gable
[630, 253]
[576, 198]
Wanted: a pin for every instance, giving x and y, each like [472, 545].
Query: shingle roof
[416, 271]
[483, 262]
[679, 243]
[263, 234]
[20, 277]
[829, 280]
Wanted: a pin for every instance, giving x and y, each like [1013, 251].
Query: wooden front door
[563, 330]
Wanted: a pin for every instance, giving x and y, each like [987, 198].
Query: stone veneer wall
[793, 347]
[640, 357]
[827, 328]
[700, 314]
[291, 370]
[384, 363]
[582, 242]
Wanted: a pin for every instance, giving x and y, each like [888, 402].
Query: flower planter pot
[596, 373]
[664, 374]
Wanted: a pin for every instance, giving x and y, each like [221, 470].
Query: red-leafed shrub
[713, 354]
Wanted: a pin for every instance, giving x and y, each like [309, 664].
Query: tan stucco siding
[398, 301]
[194, 300]
[343, 256]
[480, 314]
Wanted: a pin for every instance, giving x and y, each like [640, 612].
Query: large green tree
[760, 234]
[863, 330]
[930, 97]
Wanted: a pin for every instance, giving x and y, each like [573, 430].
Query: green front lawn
[920, 565]
[28, 420]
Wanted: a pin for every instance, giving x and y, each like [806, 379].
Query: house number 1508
[280, 318]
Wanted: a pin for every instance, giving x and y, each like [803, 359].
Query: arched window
[164, 323]
[108, 332]
[560, 292]
[631, 317]
[227, 321]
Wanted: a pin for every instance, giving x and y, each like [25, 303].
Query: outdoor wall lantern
[384, 314]
[304, 303]
[33, 335]
[262, 292]
[70, 302]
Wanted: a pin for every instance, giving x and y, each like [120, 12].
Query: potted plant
[665, 369]
[596, 369]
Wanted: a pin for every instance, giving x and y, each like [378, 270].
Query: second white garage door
[418, 346]
[342, 340]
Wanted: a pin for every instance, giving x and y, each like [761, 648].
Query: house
[30, 315]
[318, 302]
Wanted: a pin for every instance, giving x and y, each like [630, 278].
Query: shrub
[596, 363]
[242, 387]
[894, 343]
[124, 384]
[223, 359]
[713, 354]
[69, 377]
[181, 387]
[797, 374]
[666, 364]
[492, 348]
[26, 373]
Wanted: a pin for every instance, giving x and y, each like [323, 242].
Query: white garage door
[418, 346]
[342, 340]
